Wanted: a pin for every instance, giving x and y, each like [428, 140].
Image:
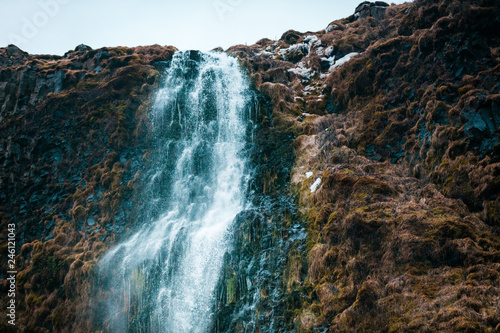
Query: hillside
[397, 116]
[376, 174]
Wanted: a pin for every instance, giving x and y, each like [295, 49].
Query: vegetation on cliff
[73, 129]
[384, 129]
[396, 116]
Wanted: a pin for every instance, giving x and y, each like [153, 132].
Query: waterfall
[162, 278]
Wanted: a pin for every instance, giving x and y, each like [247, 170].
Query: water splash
[162, 279]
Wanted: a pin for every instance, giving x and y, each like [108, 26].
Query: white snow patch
[309, 174]
[310, 39]
[331, 60]
[343, 60]
[331, 27]
[311, 89]
[328, 51]
[336, 63]
[315, 185]
[302, 71]
[301, 47]
[264, 52]
[307, 44]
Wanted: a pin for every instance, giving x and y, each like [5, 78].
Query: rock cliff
[375, 186]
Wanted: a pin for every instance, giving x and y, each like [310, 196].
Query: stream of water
[162, 278]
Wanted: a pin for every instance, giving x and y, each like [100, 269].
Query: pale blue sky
[56, 26]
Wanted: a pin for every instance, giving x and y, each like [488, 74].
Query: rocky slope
[379, 136]
[396, 117]
[73, 135]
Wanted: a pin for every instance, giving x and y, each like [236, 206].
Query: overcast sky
[56, 26]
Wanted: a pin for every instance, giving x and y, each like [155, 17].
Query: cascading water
[162, 279]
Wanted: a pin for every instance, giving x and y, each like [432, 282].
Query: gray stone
[371, 9]
[90, 221]
[13, 50]
[83, 48]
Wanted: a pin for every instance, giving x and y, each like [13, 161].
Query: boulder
[13, 50]
[83, 48]
[371, 9]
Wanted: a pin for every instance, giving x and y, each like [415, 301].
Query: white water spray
[162, 279]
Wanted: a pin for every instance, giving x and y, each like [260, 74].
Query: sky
[57, 26]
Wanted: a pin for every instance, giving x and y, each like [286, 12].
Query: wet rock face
[250, 294]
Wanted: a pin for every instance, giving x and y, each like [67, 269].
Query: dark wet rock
[83, 48]
[13, 50]
[102, 56]
[3, 86]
